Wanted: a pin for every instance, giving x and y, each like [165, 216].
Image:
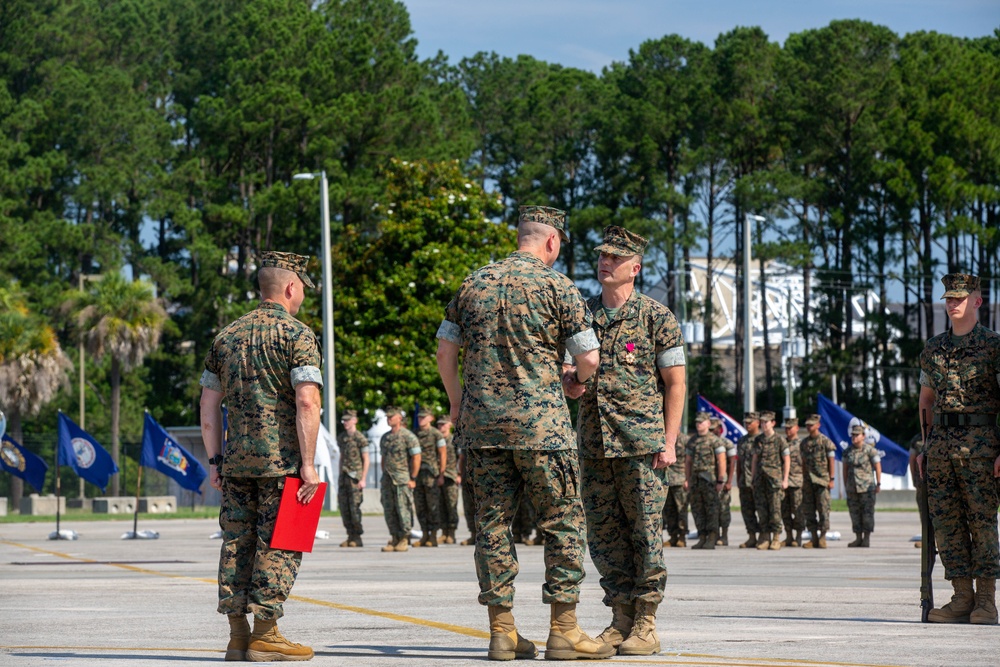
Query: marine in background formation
[771, 466]
[427, 492]
[819, 464]
[862, 481]
[726, 495]
[354, 462]
[744, 471]
[791, 502]
[705, 468]
[400, 453]
[450, 481]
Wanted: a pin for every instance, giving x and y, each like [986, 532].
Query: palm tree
[123, 319]
[33, 368]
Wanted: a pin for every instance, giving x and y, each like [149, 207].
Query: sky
[591, 34]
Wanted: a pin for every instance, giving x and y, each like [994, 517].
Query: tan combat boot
[470, 542]
[723, 540]
[750, 543]
[431, 540]
[643, 639]
[813, 541]
[822, 541]
[798, 538]
[506, 643]
[985, 612]
[776, 543]
[711, 540]
[790, 540]
[267, 645]
[391, 546]
[764, 542]
[239, 638]
[962, 603]
[567, 641]
[679, 541]
[403, 544]
[621, 625]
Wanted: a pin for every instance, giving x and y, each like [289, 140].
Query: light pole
[329, 376]
[749, 397]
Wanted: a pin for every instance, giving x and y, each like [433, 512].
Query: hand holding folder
[295, 528]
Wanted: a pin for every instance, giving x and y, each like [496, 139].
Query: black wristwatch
[215, 460]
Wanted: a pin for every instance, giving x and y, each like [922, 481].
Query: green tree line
[157, 140]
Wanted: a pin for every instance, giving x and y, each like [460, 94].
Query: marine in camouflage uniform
[675, 507]
[791, 502]
[726, 494]
[819, 456]
[744, 456]
[400, 453]
[354, 463]
[705, 467]
[427, 493]
[627, 435]
[266, 366]
[960, 392]
[514, 319]
[451, 481]
[862, 480]
[770, 470]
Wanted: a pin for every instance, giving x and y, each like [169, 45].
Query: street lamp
[330, 393]
[749, 398]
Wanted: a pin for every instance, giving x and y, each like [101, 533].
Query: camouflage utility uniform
[514, 319]
[791, 502]
[748, 506]
[726, 494]
[427, 494]
[767, 485]
[449, 492]
[675, 506]
[961, 448]
[703, 450]
[620, 428]
[468, 494]
[397, 497]
[859, 482]
[349, 493]
[269, 345]
[816, 455]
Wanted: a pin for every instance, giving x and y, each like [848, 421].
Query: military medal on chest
[630, 355]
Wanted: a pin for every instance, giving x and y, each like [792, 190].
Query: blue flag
[732, 430]
[17, 460]
[80, 451]
[836, 423]
[163, 453]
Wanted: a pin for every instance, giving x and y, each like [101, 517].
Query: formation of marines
[529, 341]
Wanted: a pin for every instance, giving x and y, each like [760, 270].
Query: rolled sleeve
[210, 380]
[450, 332]
[413, 451]
[442, 444]
[672, 357]
[306, 374]
[924, 381]
[785, 452]
[721, 449]
[585, 341]
[831, 454]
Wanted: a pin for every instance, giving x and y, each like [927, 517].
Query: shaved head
[272, 281]
[531, 234]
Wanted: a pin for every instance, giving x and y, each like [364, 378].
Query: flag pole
[58, 488]
[135, 517]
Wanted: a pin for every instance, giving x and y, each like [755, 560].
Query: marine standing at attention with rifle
[961, 456]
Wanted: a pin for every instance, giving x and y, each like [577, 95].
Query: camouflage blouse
[703, 449]
[352, 446]
[256, 362]
[816, 455]
[963, 372]
[396, 450]
[772, 451]
[431, 440]
[514, 319]
[621, 414]
[860, 468]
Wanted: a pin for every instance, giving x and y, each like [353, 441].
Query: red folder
[295, 528]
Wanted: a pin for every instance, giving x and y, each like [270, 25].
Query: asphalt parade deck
[101, 600]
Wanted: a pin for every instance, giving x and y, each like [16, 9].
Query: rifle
[928, 549]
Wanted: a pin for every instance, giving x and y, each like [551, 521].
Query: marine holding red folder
[266, 367]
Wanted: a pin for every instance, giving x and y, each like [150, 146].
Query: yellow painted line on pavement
[693, 659]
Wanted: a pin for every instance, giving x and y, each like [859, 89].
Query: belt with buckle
[965, 419]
